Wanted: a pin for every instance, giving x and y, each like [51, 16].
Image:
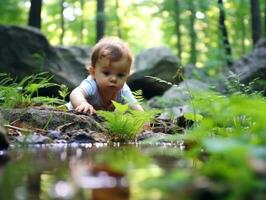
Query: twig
[17, 128]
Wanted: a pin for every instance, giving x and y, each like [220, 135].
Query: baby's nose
[114, 78]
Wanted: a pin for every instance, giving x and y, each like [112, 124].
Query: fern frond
[160, 80]
[138, 94]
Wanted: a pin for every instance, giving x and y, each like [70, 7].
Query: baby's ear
[91, 71]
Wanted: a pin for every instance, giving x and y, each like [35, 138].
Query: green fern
[63, 91]
[25, 92]
[138, 94]
[124, 123]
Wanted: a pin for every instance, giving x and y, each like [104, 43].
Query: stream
[90, 171]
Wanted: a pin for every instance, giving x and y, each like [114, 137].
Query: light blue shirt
[90, 89]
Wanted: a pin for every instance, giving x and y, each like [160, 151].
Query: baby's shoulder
[89, 85]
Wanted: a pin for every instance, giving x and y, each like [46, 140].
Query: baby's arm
[80, 103]
[136, 106]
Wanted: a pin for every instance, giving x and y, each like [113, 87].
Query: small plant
[194, 116]
[138, 94]
[233, 85]
[124, 123]
[63, 91]
[15, 94]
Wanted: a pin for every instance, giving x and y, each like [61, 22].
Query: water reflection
[85, 171]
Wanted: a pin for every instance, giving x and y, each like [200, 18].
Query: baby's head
[110, 64]
[111, 48]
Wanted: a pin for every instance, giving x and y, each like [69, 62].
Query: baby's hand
[85, 107]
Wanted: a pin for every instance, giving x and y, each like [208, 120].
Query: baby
[111, 61]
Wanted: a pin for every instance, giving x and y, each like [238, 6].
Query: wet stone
[54, 134]
[149, 134]
[82, 137]
[33, 139]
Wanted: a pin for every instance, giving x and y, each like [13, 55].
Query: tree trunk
[82, 21]
[35, 14]
[193, 38]
[100, 21]
[177, 27]
[62, 22]
[118, 22]
[255, 20]
[224, 33]
[264, 18]
[243, 30]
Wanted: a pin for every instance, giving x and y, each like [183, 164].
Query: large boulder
[157, 62]
[49, 118]
[75, 60]
[252, 65]
[3, 139]
[25, 51]
[177, 98]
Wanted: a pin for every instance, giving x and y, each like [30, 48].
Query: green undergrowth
[125, 123]
[24, 93]
[228, 144]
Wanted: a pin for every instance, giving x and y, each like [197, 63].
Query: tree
[243, 31]
[118, 22]
[255, 20]
[193, 37]
[225, 40]
[62, 22]
[82, 26]
[35, 14]
[177, 27]
[100, 20]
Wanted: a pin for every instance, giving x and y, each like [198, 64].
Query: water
[91, 171]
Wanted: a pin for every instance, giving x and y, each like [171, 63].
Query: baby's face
[111, 77]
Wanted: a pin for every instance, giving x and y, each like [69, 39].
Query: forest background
[207, 33]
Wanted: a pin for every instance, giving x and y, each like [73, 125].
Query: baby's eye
[106, 73]
[120, 75]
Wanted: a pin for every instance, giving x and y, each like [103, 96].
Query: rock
[157, 62]
[45, 118]
[4, 144]
[75, 60]
[33, 139]
[88, 137]
[177, 96]
[25, 51]
[54, 134]
[149, 135]
[252, 65]
[3, 139]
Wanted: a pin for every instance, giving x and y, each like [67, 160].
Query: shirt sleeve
[88, 86]
[127, 95]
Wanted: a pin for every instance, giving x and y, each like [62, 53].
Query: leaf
[193, 117]
[120, 107]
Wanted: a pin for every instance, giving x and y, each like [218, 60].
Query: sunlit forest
[192, 29]
[181, 117]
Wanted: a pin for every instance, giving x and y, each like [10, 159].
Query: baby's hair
[112, 48]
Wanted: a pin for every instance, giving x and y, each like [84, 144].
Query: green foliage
[230, 139]
[63, 91]
[158, 19]
[236, 116]
[194, 117]
[234, 86]
[138, 94]
[25, 92]
[124, 123]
